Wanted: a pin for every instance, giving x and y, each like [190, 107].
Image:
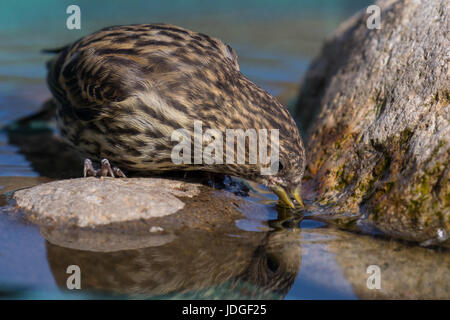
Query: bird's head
[286, 180]
[288, 165]
[282, 169]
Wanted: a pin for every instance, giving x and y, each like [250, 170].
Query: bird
[121, 92]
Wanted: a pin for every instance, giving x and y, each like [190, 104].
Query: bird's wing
[86, 82]
[110, 65]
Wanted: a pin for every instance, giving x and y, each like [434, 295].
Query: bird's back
[111, 64]
[112, 82]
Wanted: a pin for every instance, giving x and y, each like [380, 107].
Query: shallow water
[262, 254]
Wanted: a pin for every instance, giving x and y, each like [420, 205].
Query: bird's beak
[288, 199]
[297, 194]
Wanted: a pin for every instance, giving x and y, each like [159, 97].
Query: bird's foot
[104, 171]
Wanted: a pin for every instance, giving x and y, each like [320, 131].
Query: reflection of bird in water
[122, 91]
[273, 268]
[195, 265]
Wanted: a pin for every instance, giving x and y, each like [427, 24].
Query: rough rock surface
[91, 201]
[377, 105]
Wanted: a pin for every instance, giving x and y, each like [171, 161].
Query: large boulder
[375, 108]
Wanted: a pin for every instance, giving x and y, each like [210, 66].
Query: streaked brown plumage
[122, 91]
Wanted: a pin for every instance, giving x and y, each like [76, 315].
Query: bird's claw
[104, 171]
[119, 172]
[89, 170]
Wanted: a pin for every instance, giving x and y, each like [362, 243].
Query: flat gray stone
[92, 201]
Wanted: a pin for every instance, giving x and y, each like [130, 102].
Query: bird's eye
[277, 166]
[272, 264]
[280, 165]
